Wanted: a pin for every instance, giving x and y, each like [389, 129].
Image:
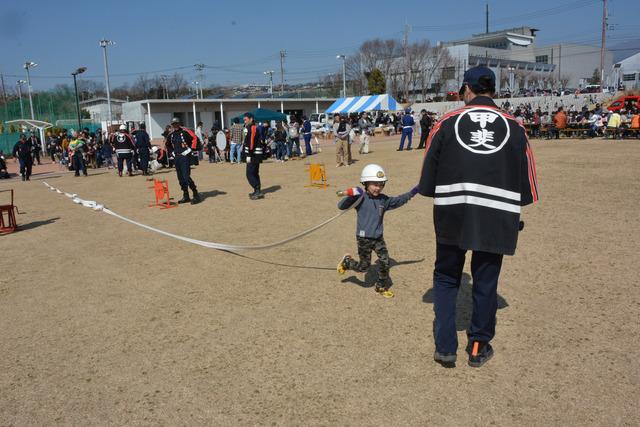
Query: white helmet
[373, 173]
[122, 127]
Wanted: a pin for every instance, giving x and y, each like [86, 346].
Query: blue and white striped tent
[357, 104]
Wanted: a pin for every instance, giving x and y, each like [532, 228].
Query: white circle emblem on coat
[480, 127]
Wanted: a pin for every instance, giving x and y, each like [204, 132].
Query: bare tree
[89, 89]
[356, 77]
[418, 58]
[437, 60]
[177, 85]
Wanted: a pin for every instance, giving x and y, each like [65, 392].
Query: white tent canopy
[358, 104]
[31, 123]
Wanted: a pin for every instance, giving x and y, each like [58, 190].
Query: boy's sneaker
[480, 353]
[342, 265]
[384, 291]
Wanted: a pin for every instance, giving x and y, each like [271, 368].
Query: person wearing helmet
[407, 129]
[183, 144]
[22, 152]
[124, 147]
[371, 206]
[143, 145]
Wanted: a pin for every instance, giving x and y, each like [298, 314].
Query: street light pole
[27, 66]
[103, 44]
[196, 84]
[19, 86]
[75, 85]
[344, 74]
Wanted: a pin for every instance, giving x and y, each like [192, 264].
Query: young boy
[371, 207]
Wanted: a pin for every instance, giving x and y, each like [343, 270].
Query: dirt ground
[103, 322]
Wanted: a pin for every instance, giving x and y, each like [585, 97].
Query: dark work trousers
[253, 174]
[485, 270]
[25, 167]
[78, 164]
[365, 246]
[406, 133]
[183, 170]
[423, 139]
[36, 156]
[144, 160]
[121, 160]
[307, 144]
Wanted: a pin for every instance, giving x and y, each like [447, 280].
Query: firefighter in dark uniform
[143, 145]
[425, 127]
[480, 171]
[254, 150]
[125, 148]
[36, 146]
[183, 144]
[22, 152]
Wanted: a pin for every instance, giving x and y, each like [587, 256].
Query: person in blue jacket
[306, 133]
[407, 129]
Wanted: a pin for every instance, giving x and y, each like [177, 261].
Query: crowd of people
[292, 139]
[586, 122]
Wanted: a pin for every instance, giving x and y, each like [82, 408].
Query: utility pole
[165, 90]
[407, 69]
[200, 70]
[103, 44]
[196, 85]
[19, 86]
[486, 14]
[283, 53]
[270, 73]
[4, 97]
[344, 74]
[604, 41]
[560, 65]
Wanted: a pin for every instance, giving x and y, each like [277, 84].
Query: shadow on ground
[371, 276]
[279, 264]
[36, 224]
[271, 189]
[464, 302]
[213, 193]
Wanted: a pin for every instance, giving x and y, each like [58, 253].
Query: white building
[157, 113]
[98, 109]
[627, 72]
[518, 63]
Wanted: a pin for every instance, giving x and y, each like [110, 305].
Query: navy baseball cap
[479, 79]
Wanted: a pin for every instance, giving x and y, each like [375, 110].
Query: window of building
[542, 59]
[448, 73]
[629, 77]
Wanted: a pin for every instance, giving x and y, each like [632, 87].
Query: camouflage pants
[365, 247]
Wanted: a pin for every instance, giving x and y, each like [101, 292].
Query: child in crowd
[371, 207]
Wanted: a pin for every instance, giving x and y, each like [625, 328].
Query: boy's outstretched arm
[353, 194]
[396, 202]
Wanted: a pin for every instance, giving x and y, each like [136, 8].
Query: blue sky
[245, 37]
